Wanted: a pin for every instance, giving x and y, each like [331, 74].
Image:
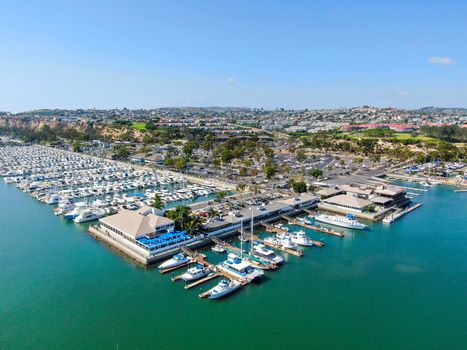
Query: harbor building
[360, 191]
[396, 195]
[134, 225]
[265, 212]
[348, 202]
[141, 234]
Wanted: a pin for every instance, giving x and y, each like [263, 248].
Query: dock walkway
[397, 215]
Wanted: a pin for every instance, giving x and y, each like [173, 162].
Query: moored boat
[223, 288]
[195, 273]
[176, 260]
[240, 268]
[348, 221]
[300, 238]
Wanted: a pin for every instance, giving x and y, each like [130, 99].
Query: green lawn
[397, 135]
[139, 125]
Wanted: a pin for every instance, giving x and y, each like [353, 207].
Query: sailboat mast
[251, 233]
[241, 238]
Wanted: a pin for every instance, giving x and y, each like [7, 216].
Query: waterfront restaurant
[134, 225]
[348, 202]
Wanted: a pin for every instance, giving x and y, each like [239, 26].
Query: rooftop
[348, 200]
[135, 224]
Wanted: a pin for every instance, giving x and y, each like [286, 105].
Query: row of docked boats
[239, 268]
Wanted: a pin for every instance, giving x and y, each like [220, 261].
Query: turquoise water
[401, 286]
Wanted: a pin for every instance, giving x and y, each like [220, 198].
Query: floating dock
[397, 215]
[202, 280]
[327, 231]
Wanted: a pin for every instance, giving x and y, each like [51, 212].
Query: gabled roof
[134, 224]
[348, 200]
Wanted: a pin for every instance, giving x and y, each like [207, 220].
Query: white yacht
[300, 238]
[262, 252]
[72, 214]
[177, 260]
[282, 240]
[223, 288]
[348, 221]
[195, 273]
[218, 248]
[241, 268]
[89, 215]
[53, 199]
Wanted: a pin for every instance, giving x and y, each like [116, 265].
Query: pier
[328, 231]
[397, 215]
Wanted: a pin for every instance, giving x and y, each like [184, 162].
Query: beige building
[348, 202]
[137, 224]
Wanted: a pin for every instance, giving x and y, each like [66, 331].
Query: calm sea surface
[402, 286]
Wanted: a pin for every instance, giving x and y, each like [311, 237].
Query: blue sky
[291, 54]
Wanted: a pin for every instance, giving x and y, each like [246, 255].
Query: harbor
[116, 198]
[254, 236]
[328, 283]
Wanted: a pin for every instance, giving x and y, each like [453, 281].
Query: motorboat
[176, 260]
[89, 215]
[218, 248]
[283, 241]
[195, 273]
[300, 238]
[261, 252]
[240, 268]
[348, 221]
[223, 288]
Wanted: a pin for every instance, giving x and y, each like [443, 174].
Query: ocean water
[401, 286]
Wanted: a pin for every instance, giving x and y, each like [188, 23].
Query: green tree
[76, 146]
[315, 172]
[298, 186]
[301, 156]
[220, 195]
[189, 147]
[157, 202]
[181, 215]
[121, 152]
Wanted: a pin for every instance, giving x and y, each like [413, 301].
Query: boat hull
[339, 224]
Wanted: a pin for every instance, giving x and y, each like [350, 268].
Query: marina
[57, 177]
[418, 250]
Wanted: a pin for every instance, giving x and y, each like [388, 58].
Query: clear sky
[251, 53]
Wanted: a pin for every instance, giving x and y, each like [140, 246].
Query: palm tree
[193, 224]
[240, 188]
[157, 202]
[254, 188]
[181, 215]
[212, 213]
[221, 195]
